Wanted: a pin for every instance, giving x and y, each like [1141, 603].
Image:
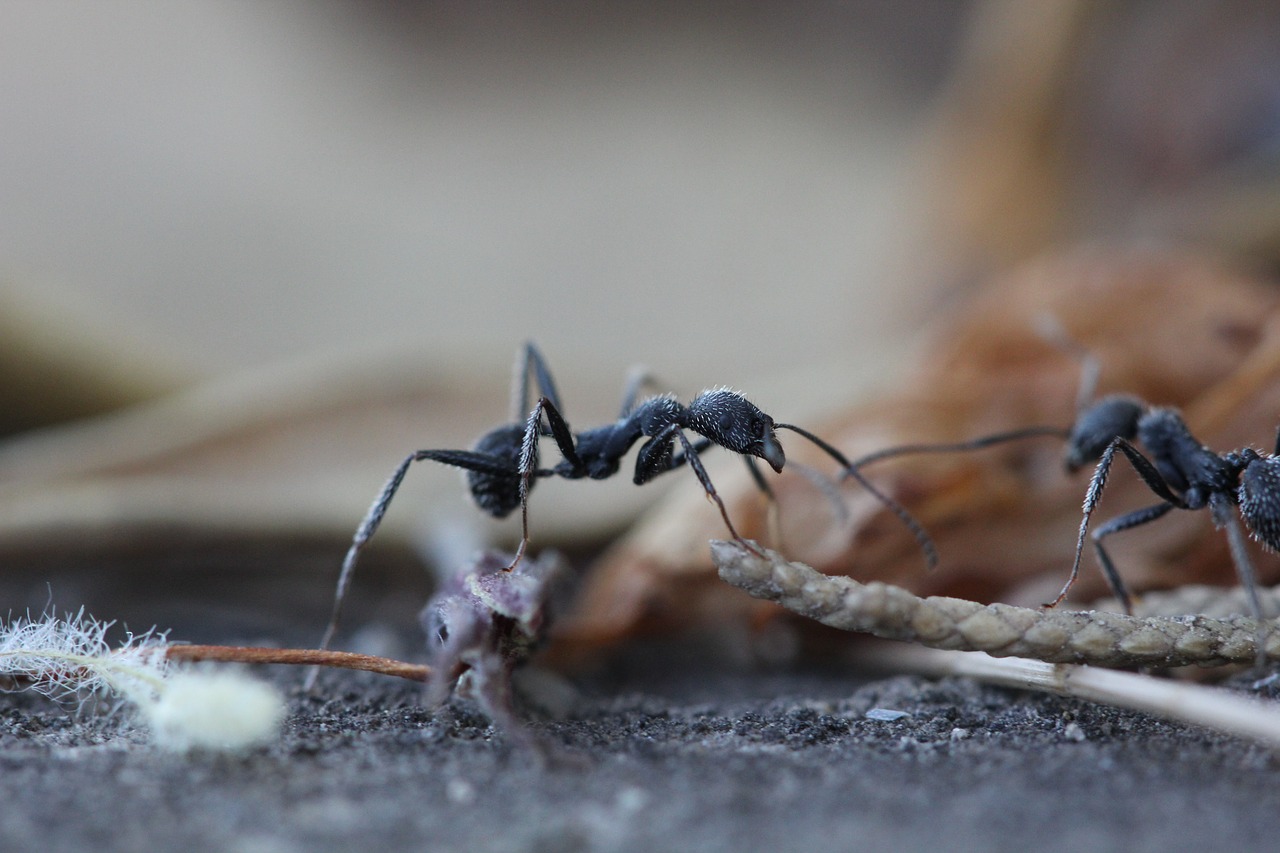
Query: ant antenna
[1051, 330]
[854, 470]
[851, 470]
[959, 446]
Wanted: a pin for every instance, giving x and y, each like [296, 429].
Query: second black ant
[1178, 469]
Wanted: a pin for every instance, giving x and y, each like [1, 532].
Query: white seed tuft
[214, 709]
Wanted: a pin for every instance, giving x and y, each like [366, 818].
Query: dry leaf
[287, 455]
[54, 368]
[1173, 329]
[1078, 121]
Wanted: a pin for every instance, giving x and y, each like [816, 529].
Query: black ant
[502, 468]
[1181, 471]
[1184, 474]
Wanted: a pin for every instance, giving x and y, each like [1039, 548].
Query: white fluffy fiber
[185, 708]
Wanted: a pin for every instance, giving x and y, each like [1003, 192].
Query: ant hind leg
[700, 471]
[466, 459]
[1222, 511]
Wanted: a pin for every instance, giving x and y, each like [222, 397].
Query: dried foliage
[1173, 329]
[1065, 122]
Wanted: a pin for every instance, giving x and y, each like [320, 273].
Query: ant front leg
[528, 465]
[1150, 476]
[650, 462]
[773, 524]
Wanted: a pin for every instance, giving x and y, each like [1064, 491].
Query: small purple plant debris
[483, 623]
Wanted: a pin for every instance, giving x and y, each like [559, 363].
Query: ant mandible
[1181, 471]
[502, 468]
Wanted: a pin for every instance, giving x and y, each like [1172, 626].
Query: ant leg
[656, 456]
[1115, 525]
[531, 357]
[559, 429]
[773, 524]
[528, 467]
[528, 464]
[1221, 509]
[690, 455]
[678, 459]
[1091, 497]
[758, 478]
[637, 379]
[1050, 328]
[467, 459]
[824, 484]
[1150, 476]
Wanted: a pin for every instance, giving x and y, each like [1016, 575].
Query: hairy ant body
[502, 468]
[1181, 471]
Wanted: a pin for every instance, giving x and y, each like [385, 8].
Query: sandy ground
[672, 746]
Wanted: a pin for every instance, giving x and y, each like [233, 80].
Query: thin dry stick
[1054, 636]
[1211, 707]
[305, 657]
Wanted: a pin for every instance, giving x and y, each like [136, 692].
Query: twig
[304, 657]
[1054, 636]
[1186, 702]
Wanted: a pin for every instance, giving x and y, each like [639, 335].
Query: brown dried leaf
[286, 455]
[1173, 329]
[1073, 121]
[55, 366]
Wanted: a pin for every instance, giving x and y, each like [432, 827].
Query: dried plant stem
[1183, 701]
[1001, 630]
[306, 657]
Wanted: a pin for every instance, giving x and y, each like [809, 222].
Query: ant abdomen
[1259, 496]
[495, 493]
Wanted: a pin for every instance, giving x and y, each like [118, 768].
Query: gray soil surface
[678, 745]
[665, 752]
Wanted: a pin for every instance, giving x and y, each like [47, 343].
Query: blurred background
[289, 242]
[280, 245]
[713, 189]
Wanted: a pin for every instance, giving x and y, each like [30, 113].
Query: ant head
[1096, 427]
[734, 423]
